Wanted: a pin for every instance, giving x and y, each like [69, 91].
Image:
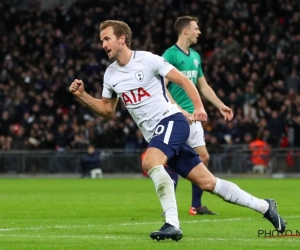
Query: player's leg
[231, 193]
[164, 187]
[196, 141]
[170, 134]
[174, 176]
[227, 190]
[153, 164]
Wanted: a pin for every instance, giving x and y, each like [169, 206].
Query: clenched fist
[77, 87]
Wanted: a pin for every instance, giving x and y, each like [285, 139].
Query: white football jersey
[140, 85]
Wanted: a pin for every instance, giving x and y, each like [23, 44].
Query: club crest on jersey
[196, 62]
[139, 76]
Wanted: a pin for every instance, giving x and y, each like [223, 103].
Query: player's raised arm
[104, 107]
[199, 113]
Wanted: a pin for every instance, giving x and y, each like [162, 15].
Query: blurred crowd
[250, 56]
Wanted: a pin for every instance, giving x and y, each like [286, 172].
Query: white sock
[231, 193]
[165, 190]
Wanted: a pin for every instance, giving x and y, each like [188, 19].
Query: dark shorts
[170, 137]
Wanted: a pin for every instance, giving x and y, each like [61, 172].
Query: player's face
[111, 44]
[193, 32]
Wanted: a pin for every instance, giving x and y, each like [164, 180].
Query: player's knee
[208, 184]
[146, 165]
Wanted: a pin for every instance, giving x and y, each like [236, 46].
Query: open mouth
[108, 51]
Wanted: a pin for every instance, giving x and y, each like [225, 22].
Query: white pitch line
[141, 239]
[120, 224]
[129, 224]
[67, 236]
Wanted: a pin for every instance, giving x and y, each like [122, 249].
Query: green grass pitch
[106, 214]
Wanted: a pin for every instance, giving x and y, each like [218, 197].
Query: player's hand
[199, 115]
[188, 116]
[77, 87]
[226, 112]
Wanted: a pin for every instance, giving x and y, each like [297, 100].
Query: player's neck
[124, 57]
[183, 45]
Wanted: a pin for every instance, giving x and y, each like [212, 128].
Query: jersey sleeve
[107, 91]
[200, 72]
[161, 66]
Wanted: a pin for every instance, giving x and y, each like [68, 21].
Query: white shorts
[196, 138]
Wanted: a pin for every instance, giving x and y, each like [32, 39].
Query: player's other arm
[210, 95]
[169, 57]
[187, 115]
[175, 76]
[104, 107]
[169, 94]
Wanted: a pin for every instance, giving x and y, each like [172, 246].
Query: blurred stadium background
[251, 57]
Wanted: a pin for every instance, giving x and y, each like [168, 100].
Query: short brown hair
[182, 22]
[119, 28]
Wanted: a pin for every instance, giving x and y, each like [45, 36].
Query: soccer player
[188, 62]
[136, 77]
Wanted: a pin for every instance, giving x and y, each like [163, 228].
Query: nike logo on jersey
[114, 85]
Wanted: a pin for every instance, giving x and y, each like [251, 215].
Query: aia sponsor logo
[134, 96]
